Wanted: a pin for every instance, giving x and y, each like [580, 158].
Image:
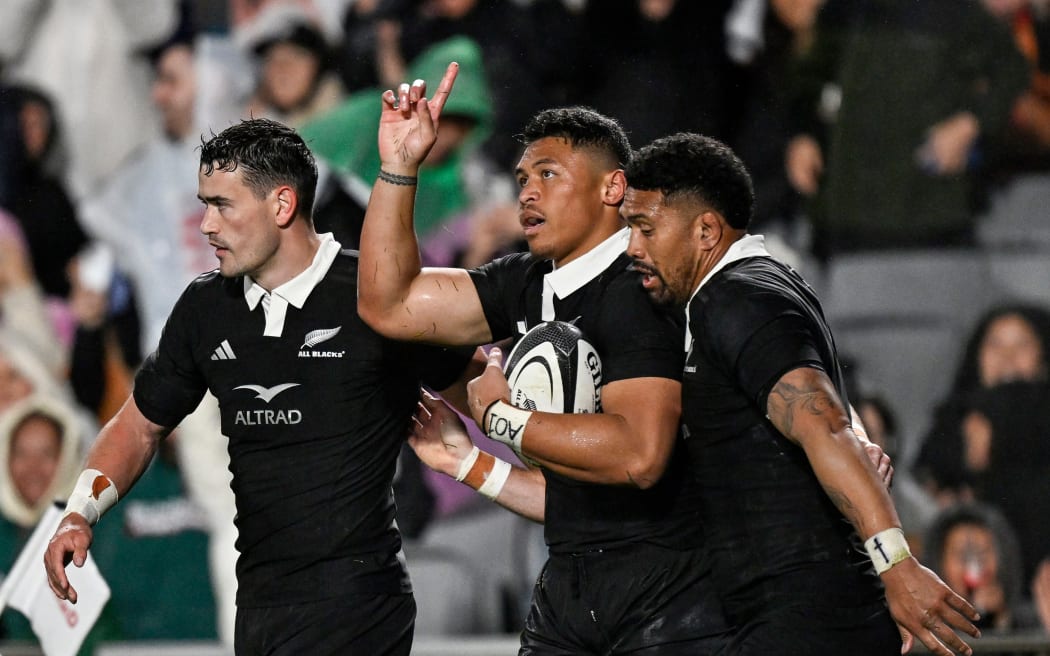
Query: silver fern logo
[319, 336]
[315, 337]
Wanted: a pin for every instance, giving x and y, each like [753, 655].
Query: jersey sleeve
[757, 336]
[169, 385]
[499, 283]
[638, 339]
[438, 367]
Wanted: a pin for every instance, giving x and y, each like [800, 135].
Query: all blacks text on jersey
[315, 337]
[321, 354]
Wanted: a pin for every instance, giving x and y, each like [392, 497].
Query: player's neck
[709, 259]
[294, 255]
[604, 228]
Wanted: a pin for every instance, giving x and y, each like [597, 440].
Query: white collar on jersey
[567, 279]
[295, 291]
[746, 246]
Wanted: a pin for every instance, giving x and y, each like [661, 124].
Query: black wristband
[395, 179]
[485, 416]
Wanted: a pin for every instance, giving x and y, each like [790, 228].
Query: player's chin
[658, 292]
[229, 269]
[538, 248]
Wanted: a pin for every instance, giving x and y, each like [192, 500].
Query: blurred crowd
[868, 125]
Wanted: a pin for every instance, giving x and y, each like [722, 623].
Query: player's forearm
[599, 448]
[524, 493]
[400, 299]
[629, 443]
[520, 490]
[850, 480]
[124, 447]
[805, 408]
[594, 448]
[390, 258]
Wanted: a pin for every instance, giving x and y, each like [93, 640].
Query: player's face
[560, 199]
[240, 226]
[661, 246]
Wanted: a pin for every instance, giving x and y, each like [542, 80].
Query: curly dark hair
[688, 164]
[269, 154]
[581, 127]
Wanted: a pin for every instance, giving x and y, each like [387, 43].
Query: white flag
[59, 625]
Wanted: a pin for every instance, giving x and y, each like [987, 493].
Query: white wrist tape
[467, 464]
[92, 496]
[887, 548]
[484, 472]
[505, 423]
[496, 479]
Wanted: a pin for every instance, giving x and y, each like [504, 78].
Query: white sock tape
[92, 496]
[506, 424]
[493, 484]
[887, 548]
[468, 462]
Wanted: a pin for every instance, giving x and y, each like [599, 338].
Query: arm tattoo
[842, 502]
[790, 402]
[785, 400]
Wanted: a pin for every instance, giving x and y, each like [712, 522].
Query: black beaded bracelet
[393, 178]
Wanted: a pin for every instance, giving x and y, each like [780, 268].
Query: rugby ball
[553, 368]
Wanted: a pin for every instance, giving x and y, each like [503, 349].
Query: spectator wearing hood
[40, 454]
[337, 139]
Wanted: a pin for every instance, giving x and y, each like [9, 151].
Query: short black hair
[690, 164]
[270, 154]
[581, 127]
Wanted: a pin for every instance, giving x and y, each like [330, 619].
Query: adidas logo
[223, 352]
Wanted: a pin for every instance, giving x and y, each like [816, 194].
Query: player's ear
[710, 227]
[614, 188]
[285, 206]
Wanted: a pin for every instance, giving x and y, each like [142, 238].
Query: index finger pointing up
[437, 103]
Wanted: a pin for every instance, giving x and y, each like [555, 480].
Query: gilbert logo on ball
[553, 368]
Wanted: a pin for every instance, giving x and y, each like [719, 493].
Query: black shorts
[375, 626]
[813, 627]
[635, 600]
[825, 608]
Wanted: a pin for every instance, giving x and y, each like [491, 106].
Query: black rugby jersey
[633, 339]
[315, 420]
[765, 513]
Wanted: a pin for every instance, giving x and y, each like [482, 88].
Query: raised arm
[122, 451]
[396, 296]
[804, 407]
[441, 441]
[628, 443]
